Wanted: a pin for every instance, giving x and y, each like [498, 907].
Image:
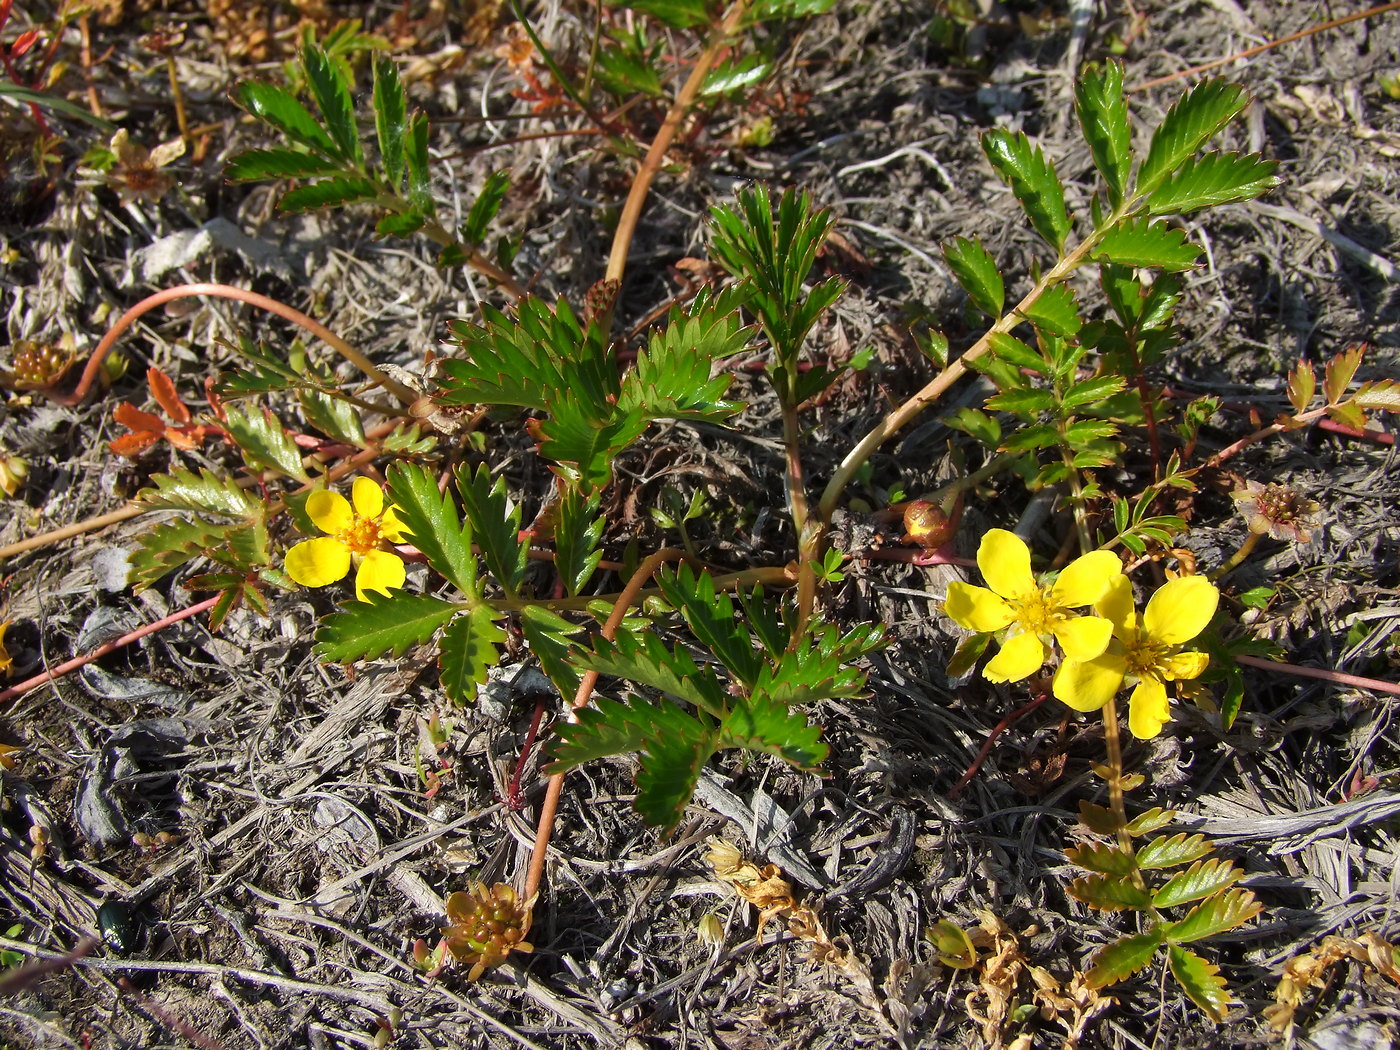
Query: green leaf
[390, 118]
[761, 723]
[977, 272]
[711, 617]
[1169, 852]
[1083, 431]
[1192, 122]
[1099, 819]
[547, 634]
[1142, 242]
[1123, 958]
[1201, 879]
[280, 108]
[735, 74]
[1379, 395]
[335, 102]
[1338, 373]
[182, 489]
[1055, 311]
[978, 424]
[263, 441]
[1150, 820]
[1103, 115]
[484, 208]
[259, 164]
[817, 667]
[1215, 915]
[1093, 391]
[577, 530]
[495, 526]
[1109, 893]
[328, 193]
[1026, 401]
[1016, 353]
[680, 14]
[1032, 179]
[1216, 178]
[1201, 981]
[469, 648]
[431, 523]
[387, 624]
[1108, 860]
[583, 446]
[643, 658]
[333, 416]
[172, 544]
[1042, 435]
[969, 651]
[420, 193]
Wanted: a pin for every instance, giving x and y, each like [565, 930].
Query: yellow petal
[1005, 561]
[1083, 637]
[1180, 609]
[1021, 656]
[315, 563]
[1147, 709]
[330, 511]
[1086, 685]
[379, 571]
[1084, 580]
[368, 498]
[391, 526]
[976, 608]
[1117, 605]
[1183, 666]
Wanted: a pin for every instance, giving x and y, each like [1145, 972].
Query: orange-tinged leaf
[1201, 981]
[133, 444]
[1110, 893]
[163, 390]
[1123, 958]
[1150, 820]
[1338, 373]
[1098, 818]
[1348, 414]
[1383, 394]
[128, 415]
[24, 42]
[1108, 860]
[1302, 384]
[1216, 915]
[186, 438]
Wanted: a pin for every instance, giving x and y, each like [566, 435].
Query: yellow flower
[353, 534]
[1032, 612]
[1146, 651]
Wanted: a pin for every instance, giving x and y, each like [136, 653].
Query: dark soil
[266, 827]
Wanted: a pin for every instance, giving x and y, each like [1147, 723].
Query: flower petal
[1184, 666]
[1005, 561]
[1117, 605]
[1083, 637]
[391, 526]
[368, 498]
[1086, 685]
[1180, 609]
[315, 563]
[1021, 656]
[330, 511]
[1147, 709]
[379, 571]
[1084, 580]
[976, 608]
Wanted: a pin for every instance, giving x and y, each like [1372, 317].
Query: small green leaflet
[1192, 122]
[333, 99]
[1142, 242]
[735, 74]
[1201, 981]
[390, 118]
[387, 624]
[1216, 178]
[711, 617]
[1123, 958]
[760, 723]
[977, 272]
[484, 208]
[1103, 116]
[469, 647]
[577, 530]
[182, 489]
[1055, 311]
[1201, 879]
[547, 634]
[430, 519]
[1215, 915]
[329, 193]
[333, 416]
[1033, 180]
[263, 441]
[495, 526]
[257, 164]
[278, 107]
[643, 658]
[680, 14]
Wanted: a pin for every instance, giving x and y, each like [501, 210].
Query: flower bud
[927, 525]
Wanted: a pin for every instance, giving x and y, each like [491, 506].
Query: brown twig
[986, 749]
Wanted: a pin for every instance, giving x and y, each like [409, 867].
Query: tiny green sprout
[8, 957]
[829, 569]
[953, 945]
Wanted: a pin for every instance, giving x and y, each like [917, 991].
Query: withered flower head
[1279, 511]
[138, 171]
[486, 926]
[163, 39]
[40, 366]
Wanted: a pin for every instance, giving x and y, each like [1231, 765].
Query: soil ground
[263, 814]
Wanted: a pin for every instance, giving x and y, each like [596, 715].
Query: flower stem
[1231, 563]
[1114, 746]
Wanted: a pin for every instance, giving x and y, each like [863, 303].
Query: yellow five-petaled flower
[354, 534]
[1032, 612]
[1146, 651]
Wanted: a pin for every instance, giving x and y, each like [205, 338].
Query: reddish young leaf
[24, 42]
[163, 390]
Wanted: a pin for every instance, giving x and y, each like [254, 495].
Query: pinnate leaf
[1123, 958]
[1190, 123]
[1142, 242]
[672, 376]
[977, 272]
[280, 108]
[1103, 115]
[818, 667]
[1216, 178]
[1169, 852]
[185, 490]
[432, 525]
[1201, 879]
[469, 648]
[386, 624]
[495, 526]
[1109, 893]
[1032, 179]
[171, 544]
[760, 723]
[1215, 915]
[1201, 981]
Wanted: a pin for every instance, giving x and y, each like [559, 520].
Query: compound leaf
[1190, 123]
[1142, 242]
[469, 648]
[760, 723]
[387, 623]
[1216, 178]
[432, 524]
[1032, 179]
[1123, 958]
[1201, 981]
[977, 272]
[495, 526]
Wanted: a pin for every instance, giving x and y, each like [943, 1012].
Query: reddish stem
[1336, 677]
[997, 730]
[514, 799]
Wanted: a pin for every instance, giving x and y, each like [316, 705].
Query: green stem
[1114, 746]
[1231, 563]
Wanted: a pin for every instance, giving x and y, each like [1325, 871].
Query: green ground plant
[745, 657]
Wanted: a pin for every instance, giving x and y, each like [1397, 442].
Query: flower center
[361, 536]
[1145, 658]
[1035, 614]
